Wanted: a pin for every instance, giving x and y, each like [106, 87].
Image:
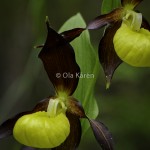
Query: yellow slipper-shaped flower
[132, 43]
[42, 131]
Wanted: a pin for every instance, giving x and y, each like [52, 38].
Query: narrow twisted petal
[70, 35]
[107, 55]
[106, 19]
[102, 134]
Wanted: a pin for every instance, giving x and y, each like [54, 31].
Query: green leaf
[87, 59]
[109, 5]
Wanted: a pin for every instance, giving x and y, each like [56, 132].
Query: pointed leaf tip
[102, 135]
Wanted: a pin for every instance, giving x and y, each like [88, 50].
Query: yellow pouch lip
[41, 131]
[133, 47]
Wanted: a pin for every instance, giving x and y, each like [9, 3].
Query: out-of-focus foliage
[85, 54]
[108, 6]
[124, 107]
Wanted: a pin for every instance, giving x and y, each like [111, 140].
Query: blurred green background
[124, 108]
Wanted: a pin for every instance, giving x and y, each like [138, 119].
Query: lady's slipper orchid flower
[127, 38]
[54, 122]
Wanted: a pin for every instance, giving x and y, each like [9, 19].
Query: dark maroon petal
[42, 105]
[75, 107]
[102, 135]
[28, 148]
[145, 24]
[6, 128]
[59, 61]
[107, 55]
[73, 140]
[70, 35]
[133, 2]
[106, 19]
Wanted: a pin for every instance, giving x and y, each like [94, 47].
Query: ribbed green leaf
[87, 59]
[109, 5]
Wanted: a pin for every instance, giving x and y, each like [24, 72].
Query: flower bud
[39, 130]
